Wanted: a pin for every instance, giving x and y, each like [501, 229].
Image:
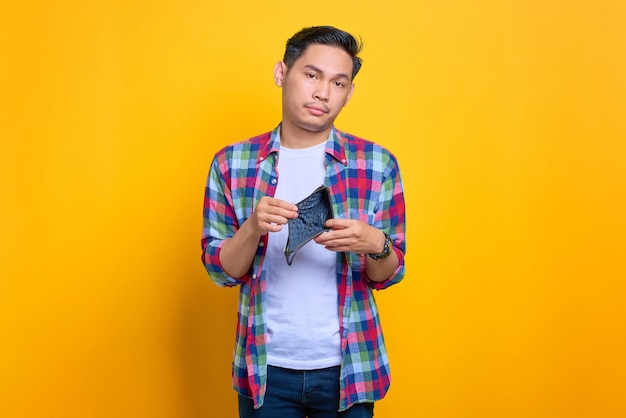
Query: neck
[300, 138]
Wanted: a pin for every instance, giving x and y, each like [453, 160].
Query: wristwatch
[386, 249]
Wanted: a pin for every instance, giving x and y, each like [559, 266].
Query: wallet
[313, 211]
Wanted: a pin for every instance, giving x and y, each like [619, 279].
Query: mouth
[317, 110]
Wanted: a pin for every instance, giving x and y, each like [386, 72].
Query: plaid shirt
[365, 184]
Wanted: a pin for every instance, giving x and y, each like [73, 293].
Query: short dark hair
[325, 35]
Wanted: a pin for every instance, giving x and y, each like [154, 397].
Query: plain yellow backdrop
[507, 117]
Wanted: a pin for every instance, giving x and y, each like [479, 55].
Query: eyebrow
[314, 68]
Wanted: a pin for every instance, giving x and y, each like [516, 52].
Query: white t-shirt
[301, 299]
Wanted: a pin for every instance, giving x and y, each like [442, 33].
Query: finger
[323, 238]
[283, 208]
[269, 225]
[270, 208]
[273, 227]
[333, 238]
[338, 223]
[283, 204]
[274, 219]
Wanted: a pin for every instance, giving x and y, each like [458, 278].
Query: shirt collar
[335, 145]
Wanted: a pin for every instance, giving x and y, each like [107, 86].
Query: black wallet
[313, 211]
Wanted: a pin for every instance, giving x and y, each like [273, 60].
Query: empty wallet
[313, 211]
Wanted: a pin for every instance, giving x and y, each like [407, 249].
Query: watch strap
[386, 249]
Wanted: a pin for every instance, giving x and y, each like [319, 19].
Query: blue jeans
[300, 394]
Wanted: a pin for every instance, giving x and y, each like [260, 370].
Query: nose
[321, 93]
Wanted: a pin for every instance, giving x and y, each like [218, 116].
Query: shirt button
[260, 158]
[261, 244]
[344, 161]
[254, 276]
[273, 181]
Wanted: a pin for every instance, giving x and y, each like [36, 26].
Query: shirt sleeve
[219, 222]
[390, 218]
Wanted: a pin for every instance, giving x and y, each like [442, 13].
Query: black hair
[325, 35]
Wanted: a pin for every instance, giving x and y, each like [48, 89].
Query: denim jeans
[300, 394]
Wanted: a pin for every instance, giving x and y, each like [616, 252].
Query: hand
[271, 214]
[351, 235]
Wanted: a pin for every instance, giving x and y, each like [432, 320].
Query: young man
[309, 341]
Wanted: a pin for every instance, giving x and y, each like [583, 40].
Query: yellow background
[508, 118]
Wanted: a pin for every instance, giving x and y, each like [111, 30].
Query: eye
[339, 84]
[310, 75]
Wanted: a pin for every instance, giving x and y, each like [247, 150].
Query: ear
[349, 95]
[280, 70]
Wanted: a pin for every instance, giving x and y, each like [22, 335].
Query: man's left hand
[351, 235]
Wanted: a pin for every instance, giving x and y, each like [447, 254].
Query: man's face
[315, 88]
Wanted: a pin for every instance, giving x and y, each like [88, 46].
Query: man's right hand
[238, 251]
[271, 214]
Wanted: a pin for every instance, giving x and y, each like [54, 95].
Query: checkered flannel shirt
[365, 184]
